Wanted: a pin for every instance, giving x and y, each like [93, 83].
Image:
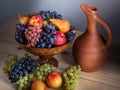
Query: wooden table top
[107, 78]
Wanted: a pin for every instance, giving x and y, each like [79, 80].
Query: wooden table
[107, 78]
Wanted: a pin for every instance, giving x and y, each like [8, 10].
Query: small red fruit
[60, 38]
[36, 21]
[54, 80]
[38, 85]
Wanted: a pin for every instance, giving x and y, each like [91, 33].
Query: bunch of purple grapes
[20, 35]
[33, 34]
[47, 36]
[23, 67]
[47, 15]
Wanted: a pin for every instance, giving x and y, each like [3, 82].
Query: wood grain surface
[107, 78]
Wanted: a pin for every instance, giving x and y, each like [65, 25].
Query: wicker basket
[46, 54]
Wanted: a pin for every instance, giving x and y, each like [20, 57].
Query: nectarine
[54, 80]
[38, 85]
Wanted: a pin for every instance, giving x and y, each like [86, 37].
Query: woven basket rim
[24, 46]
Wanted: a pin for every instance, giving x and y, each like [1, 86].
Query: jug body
[90, 52]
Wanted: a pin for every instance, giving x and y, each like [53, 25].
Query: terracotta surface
[107, 78]
[90, 49]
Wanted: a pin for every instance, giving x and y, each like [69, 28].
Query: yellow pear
[63, 25]
[74, 31]
[23, 19]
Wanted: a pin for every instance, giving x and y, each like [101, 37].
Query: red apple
[36, 21]
[38, 85]
[54, 80]
[60, 38]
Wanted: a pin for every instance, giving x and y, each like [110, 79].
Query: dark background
[70, 9]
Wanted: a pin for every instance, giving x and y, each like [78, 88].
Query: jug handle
[107, 31]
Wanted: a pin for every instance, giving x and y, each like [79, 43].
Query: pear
[63, 25]
[74, 31]
[23, 19]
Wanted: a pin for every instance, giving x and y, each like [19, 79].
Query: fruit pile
[23, 71]
[26, 74]
[43, 29]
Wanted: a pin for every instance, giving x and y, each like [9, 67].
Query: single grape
[72, 27]
[48, 14]
[70, 36]
[59, 16]
[41, 12]
[44, 16]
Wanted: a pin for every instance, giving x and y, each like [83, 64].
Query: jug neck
[91, 24]
[91, 13]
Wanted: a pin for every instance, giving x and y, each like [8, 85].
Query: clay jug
[90, 50]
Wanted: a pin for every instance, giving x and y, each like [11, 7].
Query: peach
[38, 85]
[36, 21]
[54, 80]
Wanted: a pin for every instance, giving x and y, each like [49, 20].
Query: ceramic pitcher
[90, 50]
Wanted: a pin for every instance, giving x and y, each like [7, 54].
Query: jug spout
[91, 14]
[88, 9]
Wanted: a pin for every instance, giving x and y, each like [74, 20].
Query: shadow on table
[114, 55]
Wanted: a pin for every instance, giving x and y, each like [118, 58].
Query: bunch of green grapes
[24, 83]
[40, 73]
[9, 64]
[71, 77]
